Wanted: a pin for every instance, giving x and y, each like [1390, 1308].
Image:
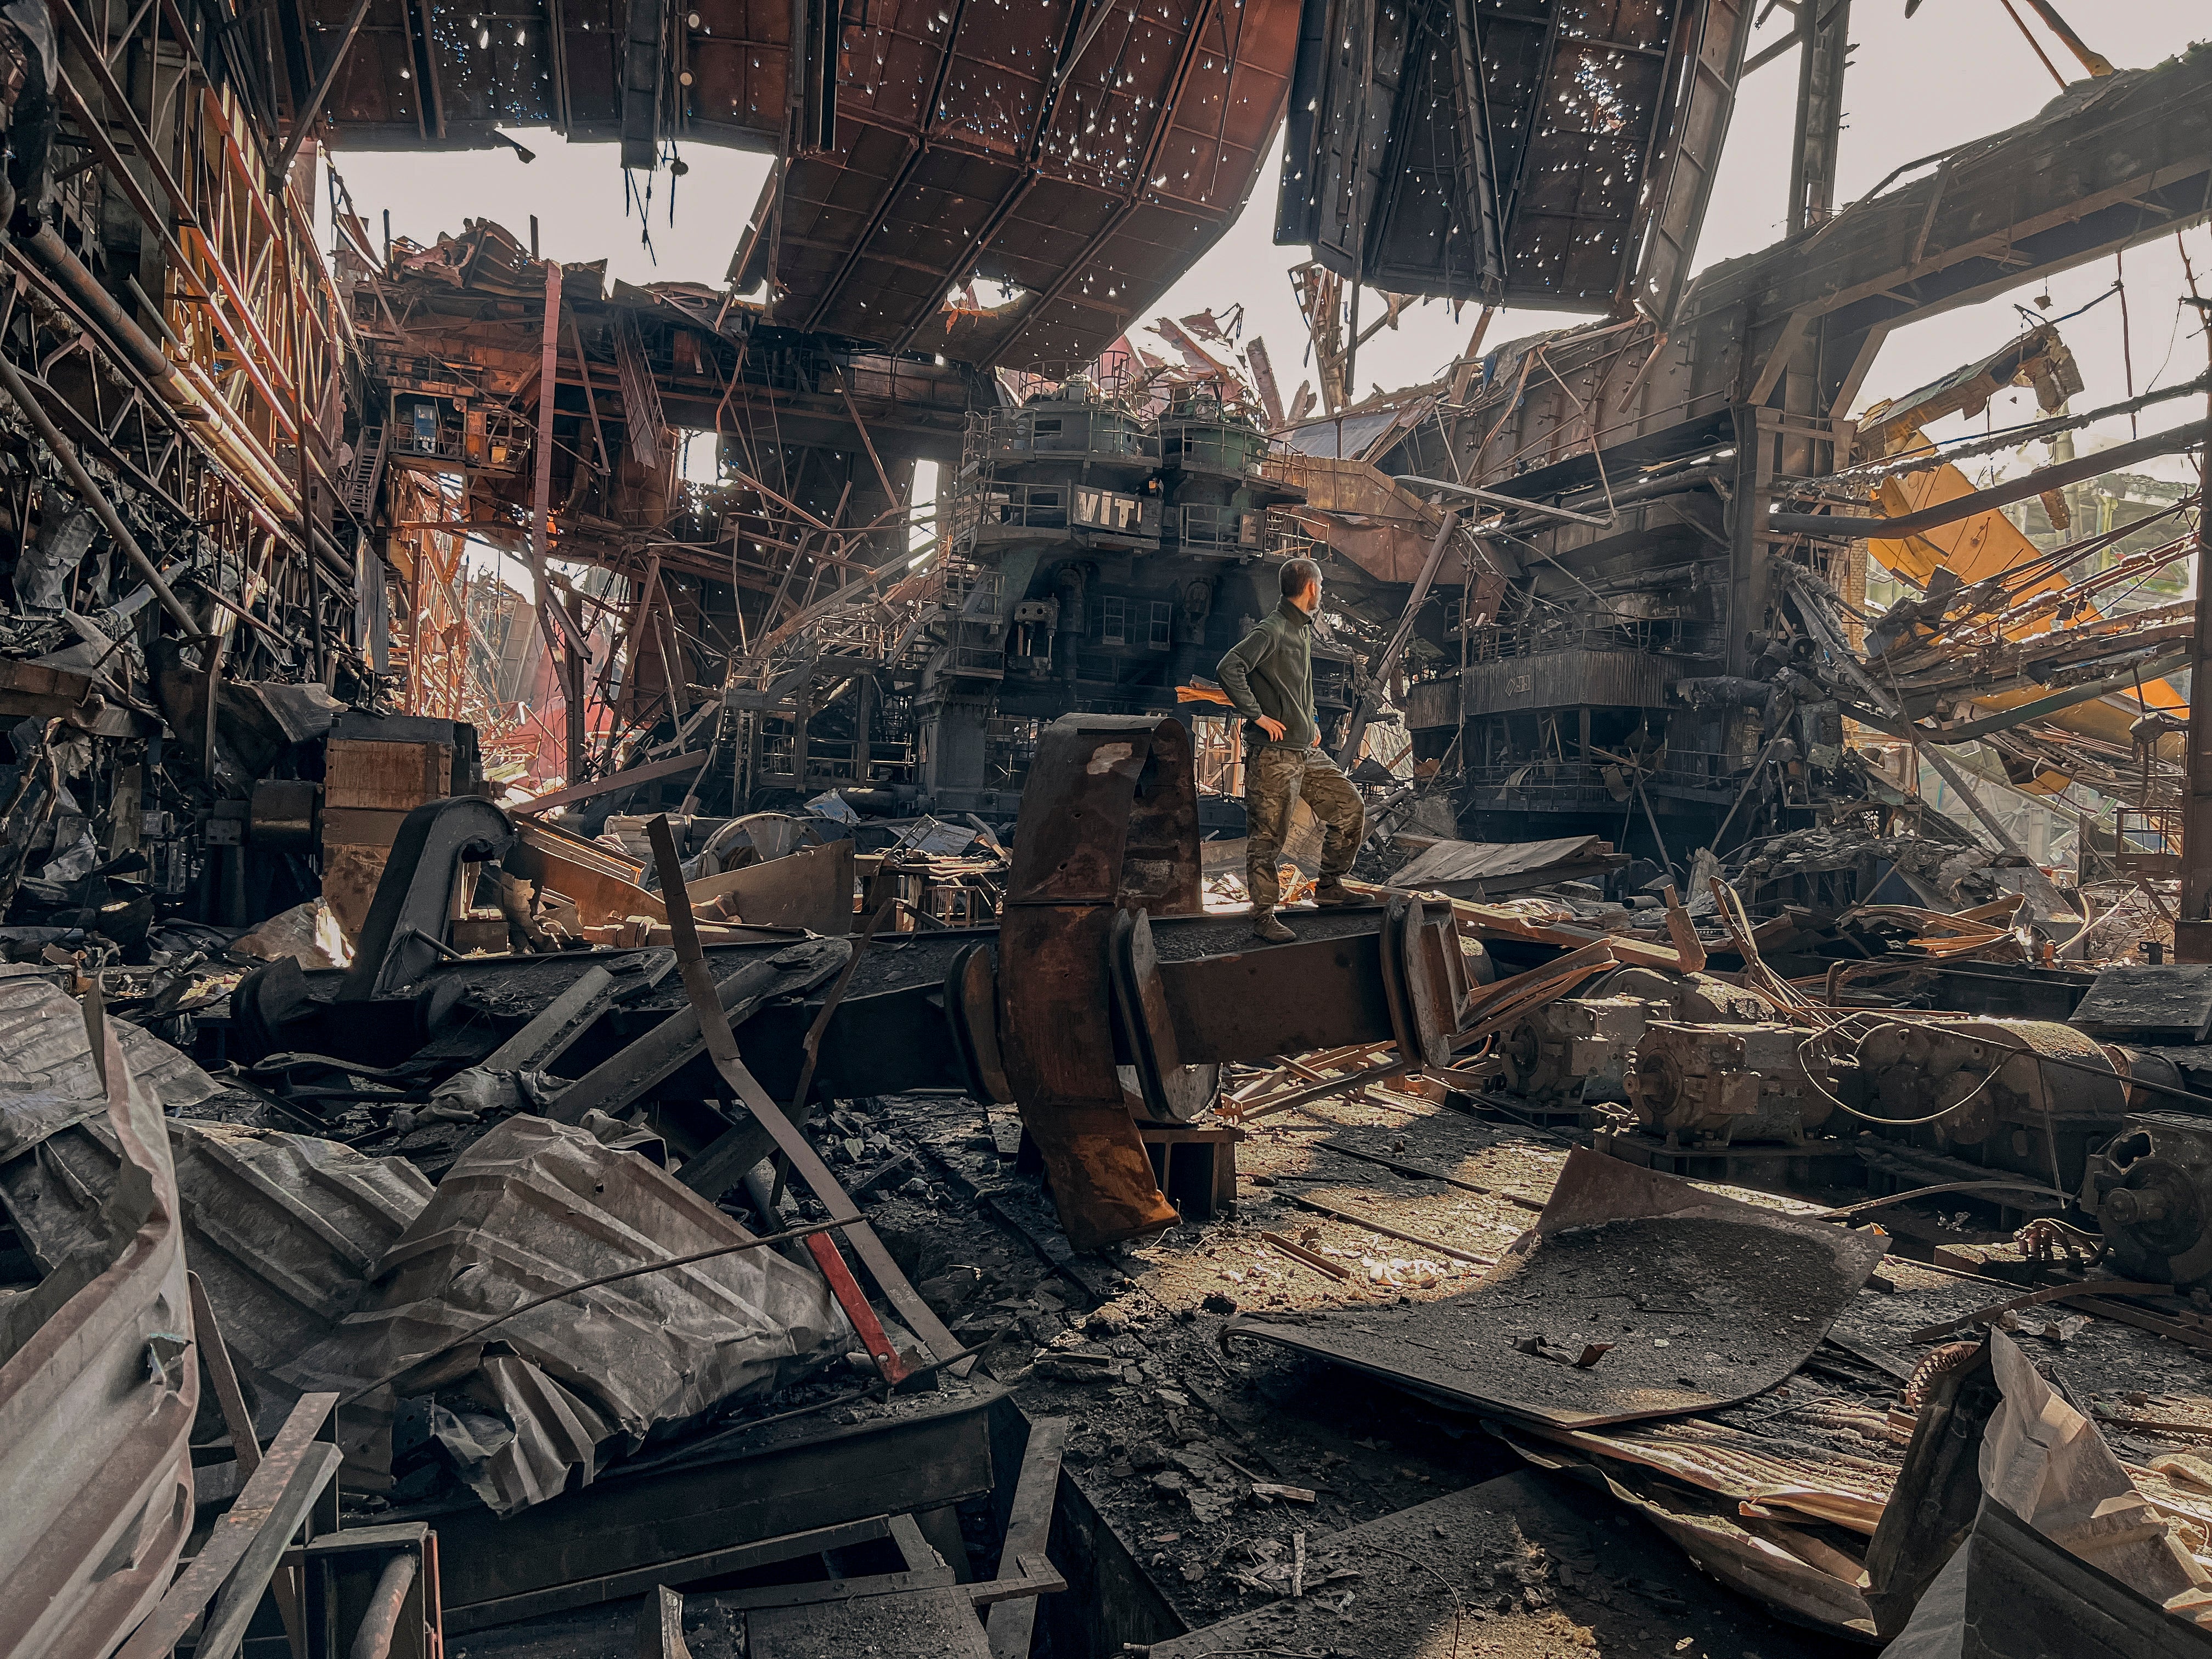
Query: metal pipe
[1984, 501]
[12, 382]
[55, 258]
[1966, 731]
[155, 312]
[1672, 483]
[380, 1623]
[1494, 499]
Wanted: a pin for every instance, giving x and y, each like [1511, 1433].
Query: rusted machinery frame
[1108, 841]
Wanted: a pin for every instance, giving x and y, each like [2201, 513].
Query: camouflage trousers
[1276, 777]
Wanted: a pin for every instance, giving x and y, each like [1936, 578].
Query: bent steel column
[1108, 822]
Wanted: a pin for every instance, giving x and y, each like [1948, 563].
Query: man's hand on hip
[1274, 728]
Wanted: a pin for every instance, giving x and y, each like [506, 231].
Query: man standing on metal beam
[1269, 680]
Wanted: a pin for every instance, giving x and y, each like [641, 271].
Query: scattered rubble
[720, 1100]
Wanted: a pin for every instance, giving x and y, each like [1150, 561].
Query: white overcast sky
[1958, 70]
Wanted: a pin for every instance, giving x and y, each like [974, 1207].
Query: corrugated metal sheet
[98, 1389]
[1431, 703]
[1473, 861]
[534, 1204]
[1567, 679]
[285, 1232]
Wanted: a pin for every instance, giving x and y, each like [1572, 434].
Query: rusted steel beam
[722, 1049]
[562, 643]
[1108, 839]
[248, 1540]
[304, 123]
[1984, 501]
[95, 497]
[607, 786]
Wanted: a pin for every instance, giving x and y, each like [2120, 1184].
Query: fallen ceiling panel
[432, 74]
[1083, 156]
[1524, 154]
[1638, 1295]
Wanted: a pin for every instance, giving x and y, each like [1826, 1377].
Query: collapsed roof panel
[1513, 155]
[1082, 157]
[445, 76]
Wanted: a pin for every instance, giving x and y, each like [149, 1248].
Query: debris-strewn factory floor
[627, 1028]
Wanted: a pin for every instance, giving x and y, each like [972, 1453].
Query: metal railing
[990, 509]
[1012, 506]
[835, 758]
[1225, 448]
[1246, 531]
[1208, 525]
[1539, 779]
[2149, 844]
[1071, 431]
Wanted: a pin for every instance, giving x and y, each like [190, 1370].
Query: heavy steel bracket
[405, 932]
[1109, 823]
[1172, 1090]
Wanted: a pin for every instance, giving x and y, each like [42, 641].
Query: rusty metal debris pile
[626, 1020]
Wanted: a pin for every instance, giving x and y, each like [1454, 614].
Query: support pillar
[2192, 932]
[1824, 27]
[864, 731]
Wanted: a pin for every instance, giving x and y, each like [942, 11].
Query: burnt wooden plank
[1029, 1527]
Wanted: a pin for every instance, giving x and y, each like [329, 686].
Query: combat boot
[1267, 928]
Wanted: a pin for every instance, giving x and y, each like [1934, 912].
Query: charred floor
[630, 1020]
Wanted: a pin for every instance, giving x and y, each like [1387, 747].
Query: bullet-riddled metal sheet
[1080, 158]
[1512, 154]
[1697, 1300]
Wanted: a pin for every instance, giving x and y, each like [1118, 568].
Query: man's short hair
[1298, 575]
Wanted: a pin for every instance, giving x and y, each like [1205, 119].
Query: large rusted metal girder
[1095, 1025]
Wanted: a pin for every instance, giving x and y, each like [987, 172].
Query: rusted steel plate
[1702, 1300]
[1059, 1044]
[1280, 1000]
[1109, 824]
[1110, 814]
[1172, 1089]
